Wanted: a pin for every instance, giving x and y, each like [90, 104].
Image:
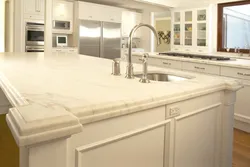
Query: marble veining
[84, 86]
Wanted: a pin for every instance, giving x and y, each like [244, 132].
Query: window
[234, 26]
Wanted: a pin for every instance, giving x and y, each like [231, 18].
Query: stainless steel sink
[162, 77]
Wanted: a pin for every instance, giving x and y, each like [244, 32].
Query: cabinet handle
[242, 74]
[112, 19]
[199, 68]
[140, 59]
[90, 16]
[200, 50]
[167, 63]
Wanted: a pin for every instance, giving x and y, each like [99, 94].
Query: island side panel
[195, 135]
[139, 133]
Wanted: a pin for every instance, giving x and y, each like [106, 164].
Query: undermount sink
[162, 77]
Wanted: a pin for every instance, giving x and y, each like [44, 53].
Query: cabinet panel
[195, 137]
[242, 105]
[89, 11]
[33, 8]
[236, 72]
[133, 151]
[167, 63]
[129, 20]
[62, 10]
[201, 68]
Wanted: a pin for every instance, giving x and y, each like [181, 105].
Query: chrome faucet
[130, 69]
[144, 78]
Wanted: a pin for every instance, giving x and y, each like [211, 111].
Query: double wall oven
[34, 37]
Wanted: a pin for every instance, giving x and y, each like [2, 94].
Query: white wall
[2, 25]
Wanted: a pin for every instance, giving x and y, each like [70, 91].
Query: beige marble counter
[57, 91]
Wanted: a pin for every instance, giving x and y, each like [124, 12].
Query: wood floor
[241, 152]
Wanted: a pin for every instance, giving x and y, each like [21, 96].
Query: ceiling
[131, 4]
[157, 5]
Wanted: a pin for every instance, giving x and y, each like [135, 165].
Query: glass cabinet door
[177, 17]
[177, 28]
[188, 28]
[177, 34]
[202, 28]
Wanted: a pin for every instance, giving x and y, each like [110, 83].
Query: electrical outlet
[174, 111]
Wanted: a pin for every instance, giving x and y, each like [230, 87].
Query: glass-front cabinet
[177, 28]
[190, 30]
[202, 28]
[188, 25]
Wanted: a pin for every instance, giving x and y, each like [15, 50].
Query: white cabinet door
[236, 72]
[201, 68]
[34, 7]
[31, 6]
[63, 10]
[141, 150]
[129, 20]
[89, 11]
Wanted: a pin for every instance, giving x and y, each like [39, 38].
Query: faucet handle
[145, 57]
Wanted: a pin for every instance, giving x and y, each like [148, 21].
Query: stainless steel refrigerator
[100, 39]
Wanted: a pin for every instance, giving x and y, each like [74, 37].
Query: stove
[194, 56]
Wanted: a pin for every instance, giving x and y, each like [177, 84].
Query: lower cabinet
[201, 68]
[141, 150]
[158, 137]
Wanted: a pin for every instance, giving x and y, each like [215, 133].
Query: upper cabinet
[90, 11]
[190, 30]
[63, 10]
[129, 20]
[33, 9]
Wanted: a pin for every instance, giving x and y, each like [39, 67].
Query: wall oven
[34, 36]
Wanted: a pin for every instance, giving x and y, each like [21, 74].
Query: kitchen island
[69, 111]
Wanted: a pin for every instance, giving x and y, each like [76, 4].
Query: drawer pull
[166, 63]
[140, 59]
[199, 68]
[242, 74]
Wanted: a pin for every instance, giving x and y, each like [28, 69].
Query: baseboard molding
[242, 122]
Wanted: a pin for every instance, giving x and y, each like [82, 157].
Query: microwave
[61, 25]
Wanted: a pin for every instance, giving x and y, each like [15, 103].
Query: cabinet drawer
[33, 16]
[201, 68]
[171, 64]
[235, 72]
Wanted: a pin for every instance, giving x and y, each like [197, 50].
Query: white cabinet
[190, 30]
[33, 9]
[65, 51]
[63, 10]
[129, 20]
[90, 11]
[235, 72]
[201, 68]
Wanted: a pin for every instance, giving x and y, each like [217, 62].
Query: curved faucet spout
[130, 72]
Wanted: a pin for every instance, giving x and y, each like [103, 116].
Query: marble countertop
[79, 88]
[234, 62]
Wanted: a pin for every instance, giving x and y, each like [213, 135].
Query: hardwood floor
[241, 152]
[9, 152]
